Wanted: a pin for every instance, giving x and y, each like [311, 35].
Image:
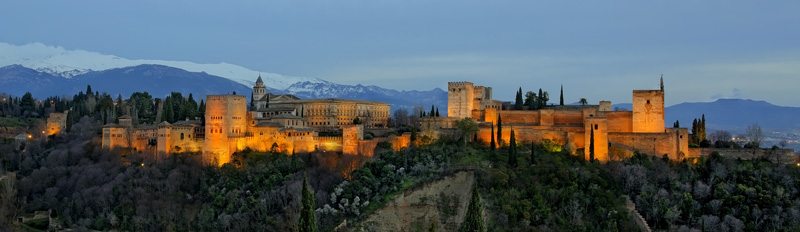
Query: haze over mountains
[46, 71]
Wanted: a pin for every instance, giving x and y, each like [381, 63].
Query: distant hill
[731, 114]
[736, 115]
[160, 80]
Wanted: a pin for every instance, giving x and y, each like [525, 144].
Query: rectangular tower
[460, 96]
[648, 111]
[226, 118]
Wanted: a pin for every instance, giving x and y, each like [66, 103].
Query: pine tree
[512, 151]
[492, 143]
[561, 98]
[499, 131]
[591, 144]
[308, 222]
[473, 221]
[518, 102]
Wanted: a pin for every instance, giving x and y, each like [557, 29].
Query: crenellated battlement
[459, 84]
[225, 97]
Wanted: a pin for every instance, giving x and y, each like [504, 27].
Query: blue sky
[599, 50]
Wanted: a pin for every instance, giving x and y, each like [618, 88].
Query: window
[181, 136]
[595, 127]
[648, 101]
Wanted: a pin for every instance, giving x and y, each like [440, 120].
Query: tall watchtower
[648, 110]
[259, 90]
[460, 96]
[226, 118]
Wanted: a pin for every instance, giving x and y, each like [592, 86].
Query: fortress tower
[226, 119]
[600, 127]
[460, 97]
[648, 110]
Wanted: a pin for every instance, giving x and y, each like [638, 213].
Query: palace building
[275, 122]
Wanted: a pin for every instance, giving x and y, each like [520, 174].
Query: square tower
[460, 96]
[226, 117]
[597, 127]
[648, 111]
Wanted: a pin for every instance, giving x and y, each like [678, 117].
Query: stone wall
[619, 121]
[674, 143]
[783, 156]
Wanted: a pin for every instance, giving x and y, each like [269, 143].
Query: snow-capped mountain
[399, 99]
[54, 71]
[58, 61]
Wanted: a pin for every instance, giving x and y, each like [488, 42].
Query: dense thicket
[89, 187]
[715, 194]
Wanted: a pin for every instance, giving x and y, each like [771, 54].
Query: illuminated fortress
[616, 133]
[281, 123]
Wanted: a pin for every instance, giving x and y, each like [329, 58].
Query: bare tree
[720, 135]
[754, 135]
[401, 117]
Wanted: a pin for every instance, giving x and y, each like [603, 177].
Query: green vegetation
[715, 194]
[89, 188]
[17, 122]
[307, 222]
[473, 221]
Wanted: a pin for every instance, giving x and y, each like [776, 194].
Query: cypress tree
[433, 113]
[518, 102]
[694, 131]
[437, 112]
[561, 98]
[473, 221]
[591, 144]
[542, 102]
[702, 128]
[499, 131]
[492, 143]
[533, 152]
[307, 221]
[512, 151]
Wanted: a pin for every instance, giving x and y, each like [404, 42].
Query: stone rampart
[783, 156]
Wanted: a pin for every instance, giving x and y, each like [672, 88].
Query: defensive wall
[673, 142]
[782, 156]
